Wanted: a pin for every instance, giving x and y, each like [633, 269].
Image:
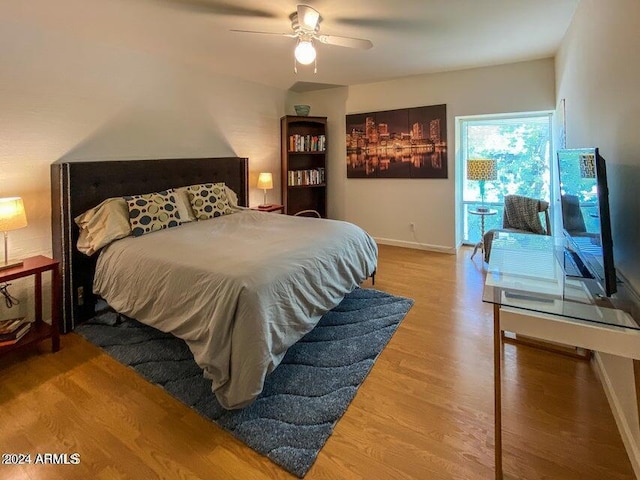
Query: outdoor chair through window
[521, 214]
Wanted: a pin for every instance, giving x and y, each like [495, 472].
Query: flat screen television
[585, 215]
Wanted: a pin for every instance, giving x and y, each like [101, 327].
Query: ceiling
[410, 37]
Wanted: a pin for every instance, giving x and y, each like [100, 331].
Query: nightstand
[270, 208]
[39, 329]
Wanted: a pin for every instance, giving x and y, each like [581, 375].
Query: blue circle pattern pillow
[152, 212]
[209, 200]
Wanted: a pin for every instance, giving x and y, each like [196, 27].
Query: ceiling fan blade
[308, 18]
[218, 7]
[348, 42]
[291, 35]
[391, 24]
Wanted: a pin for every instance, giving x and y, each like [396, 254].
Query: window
[521, 148]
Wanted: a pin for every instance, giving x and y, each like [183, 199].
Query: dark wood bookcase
[304, 164]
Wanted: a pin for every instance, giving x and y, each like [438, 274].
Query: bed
[239, 289]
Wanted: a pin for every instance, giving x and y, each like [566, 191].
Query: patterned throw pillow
[152, 211]
[209, 200]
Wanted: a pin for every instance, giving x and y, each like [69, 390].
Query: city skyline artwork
[402, 143]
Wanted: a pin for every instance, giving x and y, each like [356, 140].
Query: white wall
[65, 98]
[385, 207]
[598, 72]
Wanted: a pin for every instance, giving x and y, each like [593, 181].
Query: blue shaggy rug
[302, 399]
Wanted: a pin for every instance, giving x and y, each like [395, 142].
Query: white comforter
[239, 289]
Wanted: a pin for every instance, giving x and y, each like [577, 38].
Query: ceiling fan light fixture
[305, 52]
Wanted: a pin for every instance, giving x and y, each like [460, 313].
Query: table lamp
[265, 182]
[12, 217]
[482, 170]
[587, 166]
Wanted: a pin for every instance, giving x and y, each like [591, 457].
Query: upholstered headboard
[78, 186]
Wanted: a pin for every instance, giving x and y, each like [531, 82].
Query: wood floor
[424, 412]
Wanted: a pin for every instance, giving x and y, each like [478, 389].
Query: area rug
[302, 399]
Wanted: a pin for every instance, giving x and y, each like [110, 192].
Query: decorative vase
[302, 110]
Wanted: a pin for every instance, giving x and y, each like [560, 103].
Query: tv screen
[585, 214]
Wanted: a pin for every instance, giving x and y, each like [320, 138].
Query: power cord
[9, 300]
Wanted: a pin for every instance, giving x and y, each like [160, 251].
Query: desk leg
[497, 394]
[636, 374]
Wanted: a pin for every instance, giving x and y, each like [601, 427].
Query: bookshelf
[304, 164]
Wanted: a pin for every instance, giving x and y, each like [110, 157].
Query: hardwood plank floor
[424, 412]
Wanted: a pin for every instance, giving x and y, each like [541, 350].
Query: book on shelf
[307, 143]
[10, 324]
[296, 178]
[15, 336]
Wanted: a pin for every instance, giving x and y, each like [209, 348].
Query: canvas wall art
[404, 143]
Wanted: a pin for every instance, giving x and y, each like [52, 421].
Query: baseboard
[633, 449]
[416, 245]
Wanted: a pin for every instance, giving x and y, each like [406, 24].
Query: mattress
[239, 289]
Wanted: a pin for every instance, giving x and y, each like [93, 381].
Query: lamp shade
[587, 166]
[12, 214]
[482, 169]
[265, 181]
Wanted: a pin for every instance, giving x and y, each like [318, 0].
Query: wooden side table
[483, 212]
[270, 208]
[39, 330]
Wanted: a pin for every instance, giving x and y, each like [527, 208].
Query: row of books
[12, 330]
[307, 143]
[305, 177]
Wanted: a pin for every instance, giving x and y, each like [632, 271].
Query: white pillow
[101, 225]
[232, 197]
[184, 205]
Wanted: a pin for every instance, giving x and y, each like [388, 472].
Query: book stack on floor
[12, 330]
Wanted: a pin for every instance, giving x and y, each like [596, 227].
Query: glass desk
[531, 296]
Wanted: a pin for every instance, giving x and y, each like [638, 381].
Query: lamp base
[10, 264]
[266, 205]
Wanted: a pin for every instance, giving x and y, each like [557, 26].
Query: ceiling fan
[305, 23]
